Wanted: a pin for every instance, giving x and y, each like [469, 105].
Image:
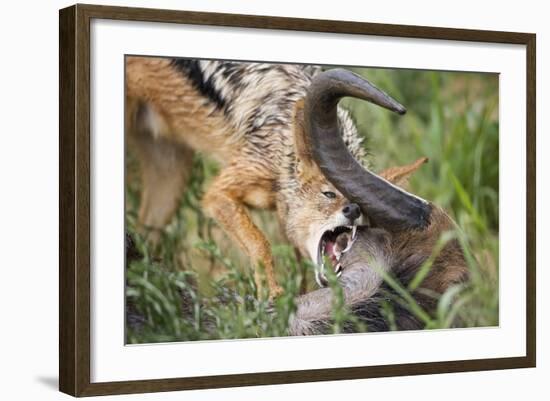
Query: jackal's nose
[352, 211]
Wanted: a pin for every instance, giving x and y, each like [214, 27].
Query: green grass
[197, 286]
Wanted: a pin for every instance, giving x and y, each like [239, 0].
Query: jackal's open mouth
[332, 245]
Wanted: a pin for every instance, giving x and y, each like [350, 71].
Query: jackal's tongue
[329, 251]
[329, 248]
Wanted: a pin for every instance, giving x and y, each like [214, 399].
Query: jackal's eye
[329, 194]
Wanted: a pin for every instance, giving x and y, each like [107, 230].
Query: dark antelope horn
[385, 204]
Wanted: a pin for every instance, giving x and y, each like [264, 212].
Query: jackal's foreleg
[224, 202]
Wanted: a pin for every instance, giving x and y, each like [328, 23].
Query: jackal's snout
[352, 212]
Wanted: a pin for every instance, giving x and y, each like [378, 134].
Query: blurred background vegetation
[196, 285]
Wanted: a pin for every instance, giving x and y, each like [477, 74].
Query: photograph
[271, 199]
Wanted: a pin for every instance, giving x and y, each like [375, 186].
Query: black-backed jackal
[251, 118]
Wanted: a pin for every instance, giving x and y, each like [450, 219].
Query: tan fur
[400, 175]
[187, 120]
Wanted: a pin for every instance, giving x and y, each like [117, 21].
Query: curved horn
[386, 205]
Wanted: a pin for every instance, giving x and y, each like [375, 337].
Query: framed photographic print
[250, 200]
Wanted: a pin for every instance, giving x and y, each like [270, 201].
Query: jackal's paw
[275, 291]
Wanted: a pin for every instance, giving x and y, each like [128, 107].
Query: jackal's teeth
[348, 246]
[338, 270]
[353, 232]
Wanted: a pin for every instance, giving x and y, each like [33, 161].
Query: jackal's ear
[305, 164]
[400, 175]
